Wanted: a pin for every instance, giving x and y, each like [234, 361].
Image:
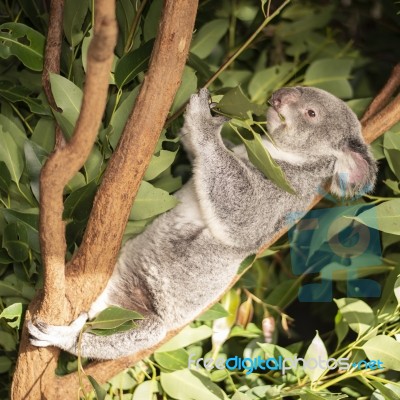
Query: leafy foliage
[308, 43]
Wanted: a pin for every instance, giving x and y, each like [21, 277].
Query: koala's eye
[311, 113]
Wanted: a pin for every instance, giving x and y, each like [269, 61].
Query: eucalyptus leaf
[67, 96]
[187, 87]
[25, 43]
[208, 36]
[172, 360]
[235, 104]
[331, 75]
[189, 385]
[5, 364]
[385, 349]
[186, 337]
[316, 351]
[100, 392]
[74, 15]
[131, 64]
[5, 177]
[13, 314]
[152, 20]
[356, 313]
[215, 312]
[262, 160]
[34, 166]
[159, 163]
[151, 201]
[30, 219]
[11, 155]
[14, 94]
[146, 390]
[113, 317]
[15, 241]
[384, 216]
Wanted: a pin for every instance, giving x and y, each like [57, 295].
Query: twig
[52, 56]
[383, 97]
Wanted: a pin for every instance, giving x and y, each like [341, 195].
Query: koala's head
[314, 123]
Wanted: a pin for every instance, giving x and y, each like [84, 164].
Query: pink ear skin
[354, 174]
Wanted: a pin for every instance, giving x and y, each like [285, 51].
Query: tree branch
[52, 56]
[384, 95]
[128, 164]
[35, 367]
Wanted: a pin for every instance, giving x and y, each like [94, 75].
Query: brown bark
[52, 57]
[35, 367]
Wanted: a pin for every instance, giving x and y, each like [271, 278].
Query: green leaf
[189, 385]
[13, 94]
[5, 177]
[113, 317]
[11, 155]
[44, 134]
[13, 314]
[385, 349]
[100, 392]
[74, 15]
[119, 118]
[5, 364]
[187, 337]
[67, 96]
[341, 328]
[393, 159]
[385, 217]
[390, 391]
[274, 351]
[28, 218]
[356, 313]
[146, 390]
[131, 64]
[187, 87]
[152, 20]
[172, 360]
[332, 75]
[215, 312]
[93, 165]
[17, 132]
[151, 201]
[7, 341]
[316, 351]
[267, 80]
[78, 204]
[284, 293]
[237, 105]
[15, 241]
[159, 163]
[33, 165]
[23, 42]
[262, 160]
[240, 396]
[206, 39]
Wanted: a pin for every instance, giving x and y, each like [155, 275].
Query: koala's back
[177, 262]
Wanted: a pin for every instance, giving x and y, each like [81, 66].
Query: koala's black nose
[284, 96]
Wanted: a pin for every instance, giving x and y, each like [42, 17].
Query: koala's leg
[231, 192]
[148, 333]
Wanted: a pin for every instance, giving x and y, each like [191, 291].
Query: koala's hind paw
[63, 336]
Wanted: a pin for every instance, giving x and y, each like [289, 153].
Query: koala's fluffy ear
[355, 170]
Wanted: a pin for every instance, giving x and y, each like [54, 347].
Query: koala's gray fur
[187, 257]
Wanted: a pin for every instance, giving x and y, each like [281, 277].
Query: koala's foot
[64, 336]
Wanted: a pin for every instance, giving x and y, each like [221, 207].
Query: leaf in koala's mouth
[281, 117]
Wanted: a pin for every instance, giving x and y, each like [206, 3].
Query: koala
[188, 256]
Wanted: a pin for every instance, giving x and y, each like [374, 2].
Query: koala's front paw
[198, 111]
[63, 336]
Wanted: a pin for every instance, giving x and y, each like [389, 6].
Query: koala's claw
[42, 334]
[199, 108]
